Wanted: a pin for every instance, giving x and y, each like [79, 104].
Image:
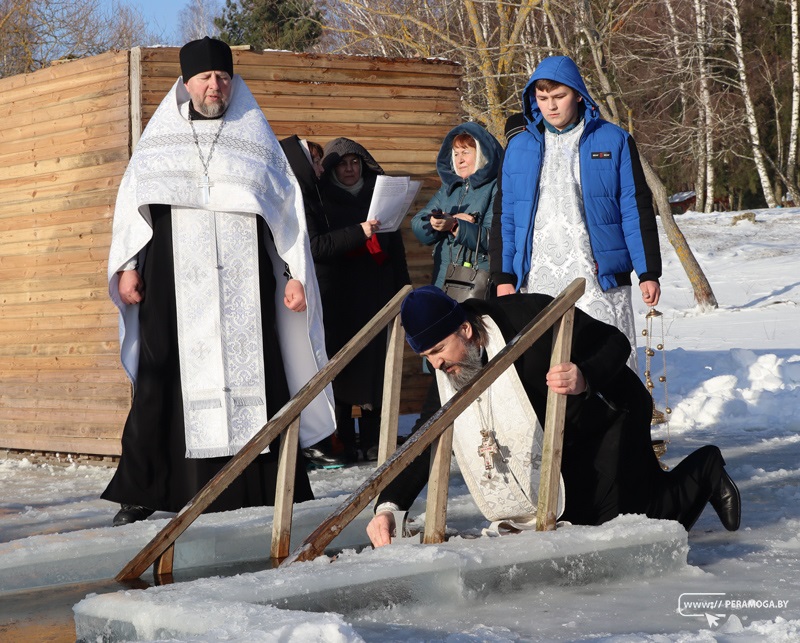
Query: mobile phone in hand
[438, 214]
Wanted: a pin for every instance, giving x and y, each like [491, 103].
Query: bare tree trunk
[700, 171]
[750, 112]
[703, 294]
[794, 124]
[706, 204]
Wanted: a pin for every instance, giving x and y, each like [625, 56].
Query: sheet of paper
[391, 200]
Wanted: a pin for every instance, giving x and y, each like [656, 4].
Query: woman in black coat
[359, 269]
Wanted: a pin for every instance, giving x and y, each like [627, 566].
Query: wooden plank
[40, 153]
[33, 226]
[53, 323]
[162, 567]
[93, 233]
[42, 393]
[392, 380]
[34, 311]
[59, 130]
[59, 404]
[552, 447]
[65, 182]
[48, 296]
[85, 421]
[75, 71]
[438, 488]
[65, 444]
[78, 141]
[276, 426]
[68, 89]
[35, 347]
[99, 95]
[9, 340]
[313, 97]
[284, 492]
[169, 55]
[11, 241]
[353, 75]
[34, 375]
[343, 116]
[50, 207]
[53, 169]
[300, 89]
[65, 256]
[154, 89]
[53, 271]
[27, 290]
[315, 543]
[56, 363]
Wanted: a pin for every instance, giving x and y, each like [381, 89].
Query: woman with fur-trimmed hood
[468, 163]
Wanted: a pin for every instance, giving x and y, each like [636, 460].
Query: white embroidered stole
[219, 329]
[512, 492]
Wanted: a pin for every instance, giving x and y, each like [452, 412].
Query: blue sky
[161, 15]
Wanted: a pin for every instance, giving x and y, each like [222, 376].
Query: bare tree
[794, 121]
[33, 33]
[750, 112]
[487, 37]
[196, 19]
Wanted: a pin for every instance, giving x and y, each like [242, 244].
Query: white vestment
[561, 246]
[511, 493]
[216, 266]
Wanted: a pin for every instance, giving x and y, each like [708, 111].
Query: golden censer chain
[659, 417]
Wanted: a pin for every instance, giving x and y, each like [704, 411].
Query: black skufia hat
[208, 54]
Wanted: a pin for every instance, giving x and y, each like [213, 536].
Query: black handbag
[463, 279]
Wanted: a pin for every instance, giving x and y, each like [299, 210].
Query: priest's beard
[212, 110]
[468, 367]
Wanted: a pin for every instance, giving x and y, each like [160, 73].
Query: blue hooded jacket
[617, 202]
[473, 195]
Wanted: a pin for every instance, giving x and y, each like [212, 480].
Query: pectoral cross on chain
[486, 450]
[205, 186]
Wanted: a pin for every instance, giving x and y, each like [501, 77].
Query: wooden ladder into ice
[159, 552]
[438, 431]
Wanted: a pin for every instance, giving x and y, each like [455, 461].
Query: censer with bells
[659, 417]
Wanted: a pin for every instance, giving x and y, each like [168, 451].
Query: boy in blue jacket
[575, 203]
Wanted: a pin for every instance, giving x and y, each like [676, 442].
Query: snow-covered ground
[733, 380]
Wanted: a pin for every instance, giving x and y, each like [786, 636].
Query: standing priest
[211, 270]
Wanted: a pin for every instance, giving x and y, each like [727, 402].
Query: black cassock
[153, 470]
[608, 464]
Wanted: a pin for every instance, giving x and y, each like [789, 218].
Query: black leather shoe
[321, 456]
[131, 513]
[727, 503]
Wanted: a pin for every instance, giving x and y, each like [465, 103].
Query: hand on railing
[566, 379]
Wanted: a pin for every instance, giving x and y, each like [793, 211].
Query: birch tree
[196, 19]
[794, 121]
[750, 112]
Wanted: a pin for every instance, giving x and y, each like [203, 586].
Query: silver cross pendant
[205, 186]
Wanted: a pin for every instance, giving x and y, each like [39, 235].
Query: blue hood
[563, 70]
[490, 148]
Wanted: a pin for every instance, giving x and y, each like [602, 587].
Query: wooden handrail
[165, 539]
[315, 544]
